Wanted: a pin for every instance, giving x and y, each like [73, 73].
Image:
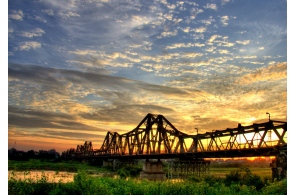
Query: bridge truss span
[155, 136]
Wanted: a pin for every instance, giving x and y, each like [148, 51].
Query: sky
[80, 68]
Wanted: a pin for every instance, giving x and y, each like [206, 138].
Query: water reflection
[48, 176]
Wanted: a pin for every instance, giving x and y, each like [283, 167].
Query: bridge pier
[153, 171]
[279, 166]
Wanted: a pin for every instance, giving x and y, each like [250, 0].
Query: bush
[254, 180]
[129, 171]
[193, 179]
[243, 176]
[211, 180]
[233, 178]
[134, 171]
[123, 173]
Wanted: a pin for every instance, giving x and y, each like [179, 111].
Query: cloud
[211, 6]
[177, 20]
[207, 21]
[118, 113]
[114, 91]
[184, 45]
[224, 20]
[28, 45]
[171, 6]
[246, 57]
[37, 32]
[223, 51]
[271, 73]
[137, 21]
[168, 34]
[225, 2]
[224, 42]
[186, 29]
[94, 83]
[200, 30]
[245, 42]
[194, 12]
[16, 15]
[38, 18]
[49, 12]
[168, 16]
[212, 38]
[252, 62]
[92, 58]
[31, 118]
[53, 101]
[191, 55]
[210, 49]
[68, 14]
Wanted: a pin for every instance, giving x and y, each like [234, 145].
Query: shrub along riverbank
[239, 182]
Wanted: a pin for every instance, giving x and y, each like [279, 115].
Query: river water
[49, 176]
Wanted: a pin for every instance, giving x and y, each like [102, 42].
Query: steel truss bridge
[156, 138]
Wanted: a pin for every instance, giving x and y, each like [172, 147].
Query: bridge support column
[153, 171]
[279, 166]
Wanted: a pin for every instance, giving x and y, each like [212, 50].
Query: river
[49, 176]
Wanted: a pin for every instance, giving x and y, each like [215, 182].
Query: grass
[85, 184]
[263, 172]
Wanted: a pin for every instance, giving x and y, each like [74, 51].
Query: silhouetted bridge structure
[156, 138]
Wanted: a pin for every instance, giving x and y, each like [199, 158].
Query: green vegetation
[243, 176]
[263, 172]
[129, 171]
[250, 181]
[84, 184]
[69, 166]
[95, 166]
